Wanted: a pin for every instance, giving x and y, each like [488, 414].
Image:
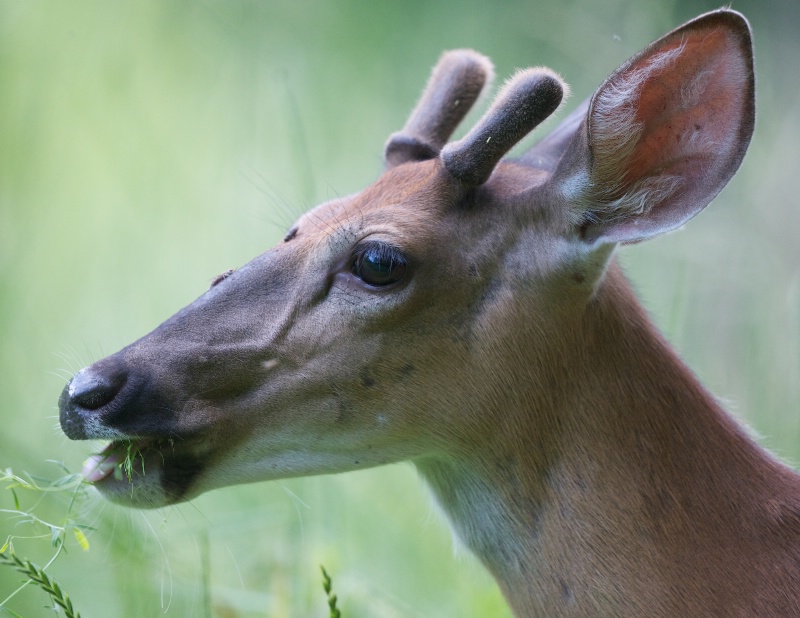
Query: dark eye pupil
[379, 265]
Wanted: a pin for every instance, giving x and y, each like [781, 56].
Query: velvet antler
[526, 100]
[455, 84]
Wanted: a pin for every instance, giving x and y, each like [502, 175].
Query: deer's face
[335, 350]
[380, 326]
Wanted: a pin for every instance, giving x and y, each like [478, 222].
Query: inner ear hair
[667, 130]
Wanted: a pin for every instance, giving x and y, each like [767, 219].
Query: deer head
[435, 315]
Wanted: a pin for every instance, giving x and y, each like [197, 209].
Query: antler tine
[526, 100]
[455, 84]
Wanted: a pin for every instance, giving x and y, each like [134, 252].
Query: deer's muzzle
[85, 398]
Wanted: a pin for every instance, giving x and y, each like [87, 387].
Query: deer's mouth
[145, 472]
[120, 458]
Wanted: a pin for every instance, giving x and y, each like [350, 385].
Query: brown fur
[572, 450]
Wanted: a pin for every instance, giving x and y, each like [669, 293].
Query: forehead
[404, 198]
[421, 210]
[411, 195]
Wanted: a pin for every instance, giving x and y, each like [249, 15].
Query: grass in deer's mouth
[132, 452]
[120, 458]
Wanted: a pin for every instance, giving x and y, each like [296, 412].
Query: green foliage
[38, 576]
[327, 586]
[73, 486]
[70, 486]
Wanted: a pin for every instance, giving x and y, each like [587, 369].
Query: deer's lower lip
[146, 472]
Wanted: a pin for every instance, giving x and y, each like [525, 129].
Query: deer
[466, 313]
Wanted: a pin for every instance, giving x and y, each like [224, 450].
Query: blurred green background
[146, 147]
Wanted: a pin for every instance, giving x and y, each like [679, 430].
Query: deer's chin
[144, 473]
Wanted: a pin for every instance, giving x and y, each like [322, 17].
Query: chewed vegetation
[132, 455]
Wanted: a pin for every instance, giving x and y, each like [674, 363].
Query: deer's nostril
[91, 391]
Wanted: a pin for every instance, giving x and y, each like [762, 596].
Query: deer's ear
[663, 134]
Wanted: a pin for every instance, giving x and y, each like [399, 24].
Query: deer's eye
[379, 264]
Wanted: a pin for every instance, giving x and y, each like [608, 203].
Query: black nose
[92, 390]
[86, 395]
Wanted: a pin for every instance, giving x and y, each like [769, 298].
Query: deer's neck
[623, 491]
